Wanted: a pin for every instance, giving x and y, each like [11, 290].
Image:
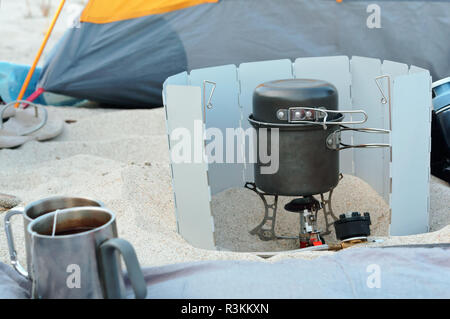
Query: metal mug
[75, 256]
[33, 211]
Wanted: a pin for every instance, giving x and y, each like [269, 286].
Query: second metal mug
[33, 211]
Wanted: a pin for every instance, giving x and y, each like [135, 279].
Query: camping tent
[123, 50]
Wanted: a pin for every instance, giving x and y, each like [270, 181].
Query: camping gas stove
[307, 126]
[308, 208]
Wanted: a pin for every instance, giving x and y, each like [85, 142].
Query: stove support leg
[327, 212]
[270, 215]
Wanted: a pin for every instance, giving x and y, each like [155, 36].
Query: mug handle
[10, 239]
[110, 268]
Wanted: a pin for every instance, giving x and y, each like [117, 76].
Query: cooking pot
[305, 114]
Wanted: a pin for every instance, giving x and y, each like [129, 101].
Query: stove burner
[300, 204]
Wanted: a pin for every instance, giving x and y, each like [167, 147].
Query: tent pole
[39, 54]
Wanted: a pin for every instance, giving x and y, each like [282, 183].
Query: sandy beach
[121, 158]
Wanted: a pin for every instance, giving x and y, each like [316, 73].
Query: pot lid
[270, 97]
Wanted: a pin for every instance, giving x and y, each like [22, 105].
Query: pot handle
[316, 116]
[334, 142]
[10, 239]
[110, 269]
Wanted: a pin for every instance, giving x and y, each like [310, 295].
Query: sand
[237, 211]
[121, 158]
[123, 163]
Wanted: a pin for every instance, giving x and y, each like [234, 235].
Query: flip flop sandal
[25, 119]
[10, 140]
[10, 112]
[28, 124]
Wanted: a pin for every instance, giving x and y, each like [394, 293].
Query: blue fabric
[389, 272]
[12, 285]
[401, 272]
[12, 76]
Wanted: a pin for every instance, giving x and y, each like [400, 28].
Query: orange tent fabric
[106, 11]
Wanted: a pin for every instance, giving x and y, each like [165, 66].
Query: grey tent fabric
[123, 63]
[403, 273]
[126, 62]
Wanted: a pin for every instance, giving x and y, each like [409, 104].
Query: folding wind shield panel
[190, 180]
[224, 112]
[367, 97]
[393, 69]
[336, 71]
[411, 147]
[250, 76]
